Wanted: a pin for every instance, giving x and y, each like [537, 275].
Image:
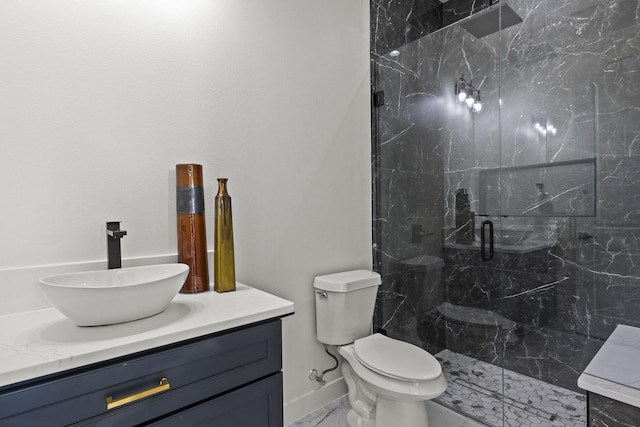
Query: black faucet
[114, 234]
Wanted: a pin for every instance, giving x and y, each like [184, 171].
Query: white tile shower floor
[475, 389]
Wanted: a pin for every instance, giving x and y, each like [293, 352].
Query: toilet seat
[396, 359]
[390, 387]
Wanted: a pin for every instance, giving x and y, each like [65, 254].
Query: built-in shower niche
[565, 188]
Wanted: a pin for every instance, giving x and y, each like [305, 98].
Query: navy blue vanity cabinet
[232, 378]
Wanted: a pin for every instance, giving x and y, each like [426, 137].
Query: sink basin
[105, 297]
[512, 236]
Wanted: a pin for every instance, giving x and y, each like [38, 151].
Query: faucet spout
[114, 234]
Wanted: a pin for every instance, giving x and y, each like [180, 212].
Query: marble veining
[475, 393]
[42, 342]
[613, 371]
[480, 389]
[606, 412]
[618, 356]
[571, 65]
[334, 414]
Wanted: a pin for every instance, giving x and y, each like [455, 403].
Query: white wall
[99, 99]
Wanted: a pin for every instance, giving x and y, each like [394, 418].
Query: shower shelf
[553, 189]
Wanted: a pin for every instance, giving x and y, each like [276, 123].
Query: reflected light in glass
[470, 101]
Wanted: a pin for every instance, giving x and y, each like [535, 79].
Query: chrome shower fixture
[466, 93]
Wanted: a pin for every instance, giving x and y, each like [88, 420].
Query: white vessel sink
[105, 297]
[508, 236]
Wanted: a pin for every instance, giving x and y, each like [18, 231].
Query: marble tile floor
[332, 415]
[475, 388]
[335, 415]
[473, 399]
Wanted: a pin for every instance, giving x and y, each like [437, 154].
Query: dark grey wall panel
[606, 412]
[571, 62]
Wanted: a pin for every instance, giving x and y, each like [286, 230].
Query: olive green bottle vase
[224, 265]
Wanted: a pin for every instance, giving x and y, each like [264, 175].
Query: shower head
[487, 21]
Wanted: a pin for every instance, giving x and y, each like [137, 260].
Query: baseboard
[303, 405]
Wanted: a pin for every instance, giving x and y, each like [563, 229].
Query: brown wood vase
[192, 235]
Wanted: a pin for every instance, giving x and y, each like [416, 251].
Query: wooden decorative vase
[192, 241]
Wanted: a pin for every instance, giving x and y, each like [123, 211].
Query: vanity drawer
[255, 405]
[195, 370]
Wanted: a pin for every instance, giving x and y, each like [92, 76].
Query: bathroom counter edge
[613, 371]
[43, 342]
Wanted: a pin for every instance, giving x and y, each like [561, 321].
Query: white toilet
[388, 380]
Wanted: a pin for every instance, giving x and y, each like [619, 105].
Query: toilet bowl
[388, 380]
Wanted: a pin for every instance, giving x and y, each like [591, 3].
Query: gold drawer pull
[112, 404]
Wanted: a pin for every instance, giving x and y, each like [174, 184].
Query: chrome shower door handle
[483, 251]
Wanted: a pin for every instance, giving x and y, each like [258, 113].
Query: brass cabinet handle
[112, 404]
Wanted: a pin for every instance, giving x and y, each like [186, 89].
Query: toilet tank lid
[347, 281]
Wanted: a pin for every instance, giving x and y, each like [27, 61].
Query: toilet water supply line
[313, 375]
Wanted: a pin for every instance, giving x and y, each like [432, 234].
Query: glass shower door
[545, 188]
[549, 157]
[526, 159]
[473, 319]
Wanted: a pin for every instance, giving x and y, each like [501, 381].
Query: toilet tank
[344, 305]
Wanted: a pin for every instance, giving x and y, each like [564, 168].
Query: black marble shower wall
[573, 64]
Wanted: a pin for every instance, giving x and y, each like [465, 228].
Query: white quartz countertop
[613, 372]
[42, 342]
